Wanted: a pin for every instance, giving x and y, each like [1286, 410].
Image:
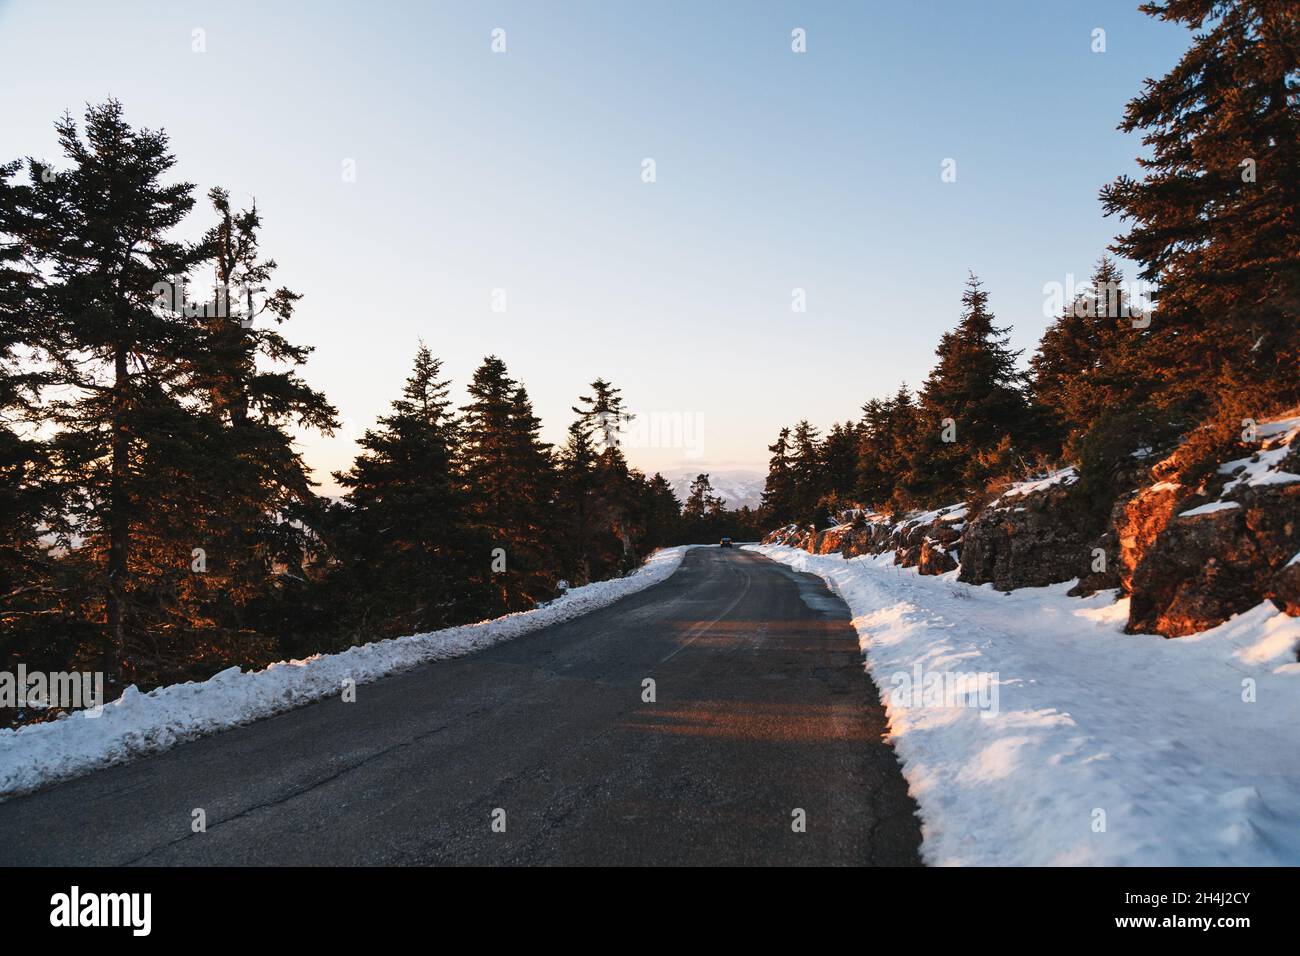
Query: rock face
[831, 541]
[932, 544]
[1101, 564]
[1036, 534]
[930, 541]
[790, 536]
[1139, 521]
[1189, 558]
[1196, 562]
[1284, 589]
[869, 534]
[934, 558]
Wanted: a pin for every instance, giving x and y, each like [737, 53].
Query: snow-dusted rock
[1196, 557]
[1039, 532]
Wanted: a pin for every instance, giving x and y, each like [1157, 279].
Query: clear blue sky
[522, 171]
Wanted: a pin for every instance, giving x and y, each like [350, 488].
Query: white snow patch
[1066, 476]
[34, 756]
[913, 518]
[1260, 469]
[1263, 467]
[1286, 428]
[1210, 508]
[1153, 732]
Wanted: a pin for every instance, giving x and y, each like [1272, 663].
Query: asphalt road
[762, 708]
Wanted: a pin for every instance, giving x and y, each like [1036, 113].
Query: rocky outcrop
[1100, 569]
[831, 541]
[930, 541]
[1188, 557]
[870, 534]
[1139, 520]
[934, 558]
[790, 536]
[1035, 534]
[1199, 557]
[1284, 589]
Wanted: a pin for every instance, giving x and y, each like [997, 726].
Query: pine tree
[639, 515]
[715, 507]
[663, 513]
[778, 490]
[404, 544]
[43, 598]
[612, 496]
[508, 472]
[576, 487]
[119, 363]
[703, 510]
[973, 411]
[1090, 362]
[261, 535]
[603, 414]
[25, 501]
[871, 486]
[1214, 215]
[839, 458]
[745, 524]
[534, 493]
[805, 474]
[885, 438]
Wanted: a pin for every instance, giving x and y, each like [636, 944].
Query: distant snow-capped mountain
[737, 487]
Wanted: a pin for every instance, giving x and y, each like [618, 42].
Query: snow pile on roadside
[135, 724]
[1103, 748]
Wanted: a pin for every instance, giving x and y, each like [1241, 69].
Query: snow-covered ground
[1092, 746]
[136, 724]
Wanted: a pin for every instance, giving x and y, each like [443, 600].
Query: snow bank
[136, 724]
[1104, 748]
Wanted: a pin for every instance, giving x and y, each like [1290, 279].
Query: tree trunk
[118, 537]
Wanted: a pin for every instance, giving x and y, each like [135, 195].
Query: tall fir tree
[534, 469]
[663, 513]
[885, 436]
[778, 489]
[576, 485]
[45, 606]
[839, 459]
[702, 512]
[973, 412]
[612, 499]
[508, 471]
[404, 542]
[261, 536]
[604, 415]
[1214, 215]
[120, 363]
[806, 477]
[1090, 363]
